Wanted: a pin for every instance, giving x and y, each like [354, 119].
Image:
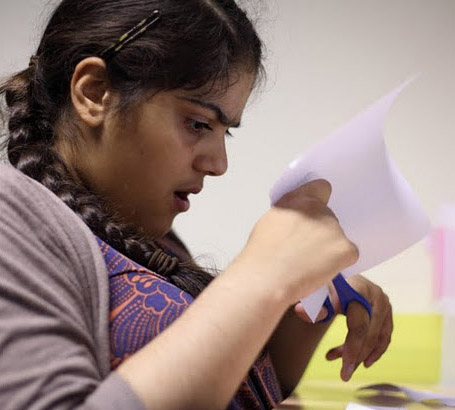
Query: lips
[191, 190]
[181, 197]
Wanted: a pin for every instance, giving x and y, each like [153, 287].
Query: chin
[157, 231]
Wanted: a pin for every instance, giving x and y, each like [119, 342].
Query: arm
[292, 344]
[291, 347]
[235, 326]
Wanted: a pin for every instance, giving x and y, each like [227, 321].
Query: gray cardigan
[54, 306]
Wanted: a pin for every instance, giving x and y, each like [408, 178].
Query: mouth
[181, 197]
[182, 201]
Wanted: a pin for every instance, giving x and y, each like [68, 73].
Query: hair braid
[30, 150]
[26, 119]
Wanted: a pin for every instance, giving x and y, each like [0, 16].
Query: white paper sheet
[415, 395]
[356, 406]
[375, 205]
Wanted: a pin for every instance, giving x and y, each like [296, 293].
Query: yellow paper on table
[413, 357]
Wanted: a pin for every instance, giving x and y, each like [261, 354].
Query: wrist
[261, 280]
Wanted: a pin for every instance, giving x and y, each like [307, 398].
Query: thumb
[319, 189]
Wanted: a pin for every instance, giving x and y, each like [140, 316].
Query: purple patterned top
[143, 304]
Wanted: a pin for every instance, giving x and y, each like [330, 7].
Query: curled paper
[356, 406]
[413, 394]
[375, 205]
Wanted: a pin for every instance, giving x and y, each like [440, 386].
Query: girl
[120, 116]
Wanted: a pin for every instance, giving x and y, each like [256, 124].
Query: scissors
[346, 294]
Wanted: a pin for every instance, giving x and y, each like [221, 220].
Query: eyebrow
[221, 116]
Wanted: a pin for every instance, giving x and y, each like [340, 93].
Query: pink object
[436, 245]
[442, 250]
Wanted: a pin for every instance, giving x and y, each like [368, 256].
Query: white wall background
[327, 60]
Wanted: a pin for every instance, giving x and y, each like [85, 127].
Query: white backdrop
[326, 60]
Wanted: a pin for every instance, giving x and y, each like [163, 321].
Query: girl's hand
[367, 338]
[298, 245]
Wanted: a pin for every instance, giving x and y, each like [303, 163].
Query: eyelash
[193, 125]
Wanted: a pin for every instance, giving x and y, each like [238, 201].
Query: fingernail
[330, 356]
[348, 372]
[368, 363]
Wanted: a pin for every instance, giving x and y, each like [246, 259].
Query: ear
[90, 93]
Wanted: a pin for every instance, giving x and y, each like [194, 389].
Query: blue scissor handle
[346, 294]
[330, 310]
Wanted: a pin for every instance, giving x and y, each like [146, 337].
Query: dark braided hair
[195, 44]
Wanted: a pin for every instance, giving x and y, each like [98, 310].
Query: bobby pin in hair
[131, 35]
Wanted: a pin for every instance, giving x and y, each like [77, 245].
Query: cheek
[152, 160]
[152, 174]
[169, 157]
[142, 155]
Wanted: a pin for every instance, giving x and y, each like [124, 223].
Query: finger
[319, 189]
[358, 324]
[335, 353]
[385, 338]
[379, 309]
[334, 298]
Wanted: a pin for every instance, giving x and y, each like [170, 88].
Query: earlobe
[90, 93]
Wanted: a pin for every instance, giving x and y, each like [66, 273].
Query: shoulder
[28, 201]
[24, 201]
[32, 216]
[41, 237]
[48, 250]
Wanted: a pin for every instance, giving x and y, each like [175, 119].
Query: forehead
[236, 83]
[229, 99]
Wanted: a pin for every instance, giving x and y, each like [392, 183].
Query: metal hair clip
[131, 35]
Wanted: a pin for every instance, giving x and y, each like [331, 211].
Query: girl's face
[150, 162]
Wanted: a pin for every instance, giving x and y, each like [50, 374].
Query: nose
[212, 157]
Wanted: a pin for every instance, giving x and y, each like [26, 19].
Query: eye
[198, 127]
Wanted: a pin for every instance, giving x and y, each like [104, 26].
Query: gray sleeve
[54, 340]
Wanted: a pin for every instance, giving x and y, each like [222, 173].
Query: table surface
[326, 395]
